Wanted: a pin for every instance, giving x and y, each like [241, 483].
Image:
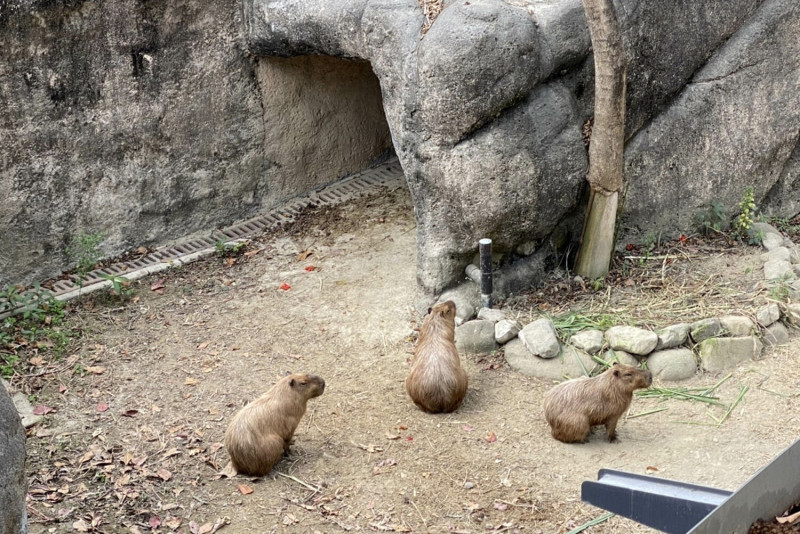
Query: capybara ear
[614, 364]
[292, 383]
[429, 311]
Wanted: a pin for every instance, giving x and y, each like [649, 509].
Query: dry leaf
[37, 361]
[80, 525]
[154, 522]
[467, 428]
[41, 409]
[96, 370]
[173, 523]
[158, 285]
[392, 436]
[303, 255]
[789, 518]
[244, 489]
[205, 529]
[190, 381]
[651, 469]
[102, 407]
[285, 287]
[491, 437]
[289, 519]
[202, 345]
[163, 474]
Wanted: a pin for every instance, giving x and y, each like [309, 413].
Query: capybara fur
[259, 433]
[437, 383]
[573, 407]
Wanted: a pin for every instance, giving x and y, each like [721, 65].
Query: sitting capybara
[260, 432]
[573, 407]
[437, 383]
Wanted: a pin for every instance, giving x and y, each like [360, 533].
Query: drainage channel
[388, 175]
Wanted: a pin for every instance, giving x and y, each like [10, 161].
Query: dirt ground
[144, 396]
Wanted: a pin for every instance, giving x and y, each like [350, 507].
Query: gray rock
[506, 330]
[794, 254]
[571, 363]
[719, 354]
[772, 241]
[590, 341]
[622, 357]
[768, 314]
[737, 325]
[777, 254]
[704, 329]
[776, 334]
[672, 336]
[540, 338]
[792, 313]
[764, 229]
[13, 487]
[475, 337]
[490, 314]
[778, 269]
[631, 339]
[708, 108]
[672, 364]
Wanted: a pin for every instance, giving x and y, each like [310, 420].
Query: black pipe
[485, 247]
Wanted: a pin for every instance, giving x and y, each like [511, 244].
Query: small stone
[625, 358]
[763, 228]
[539, 337]
[772, 241]
[505, 330]
[672, 364]
[490, 314]
[792, 313]
[780, 253]
[776, 334]
[527, 248]
[672, 336]
[719, 354]
[705, 329]
[631, 339]
[768, 314]
[475, 337]
[737, 325]
[469, 485]
[778, 269]
[590, 341]
[570, 363]
[578, 279]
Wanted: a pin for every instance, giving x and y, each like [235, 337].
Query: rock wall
[487, 108]
[148, 121]
[13, 487]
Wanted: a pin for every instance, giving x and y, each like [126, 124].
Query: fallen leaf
[392, 436]
[173, 523]
[190, 381]
[289, 519]
[491, 437]
[500, 506]
[789, 518]
[129, 413]
[244, 489]
[41, 409]
[88, 455]
[158, 285]
[154, 522]
[102, 407]
[96, 370]
[62, 388]
[310, 268]
[285, 287]
[202, 345]
[402, 427]
[163, 474]
[80, 525]
[205, 529]
[37, 361]
[409, 438]
[303, 255]
[467, 428]
[651, 469]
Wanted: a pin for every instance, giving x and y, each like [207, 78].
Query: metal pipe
[473, 272]
[485, 247]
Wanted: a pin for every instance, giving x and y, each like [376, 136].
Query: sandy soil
[143, 403]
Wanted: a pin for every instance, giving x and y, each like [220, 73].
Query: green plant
[228, 250]
[8, 364]
[568, 324]
[781, 288]
[83, 251]
[744, 221]
[120, 286]
[711, 219]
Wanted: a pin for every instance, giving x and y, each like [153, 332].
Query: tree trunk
[607, 140]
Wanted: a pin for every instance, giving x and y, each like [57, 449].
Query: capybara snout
[311, 385]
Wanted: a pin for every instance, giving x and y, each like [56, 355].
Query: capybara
[573, 407]
[437, 383]
[260, 432]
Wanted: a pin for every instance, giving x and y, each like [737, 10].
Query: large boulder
[13, 515]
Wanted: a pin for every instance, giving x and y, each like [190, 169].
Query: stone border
[675, 352]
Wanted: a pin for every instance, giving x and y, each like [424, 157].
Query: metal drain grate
[388, 175]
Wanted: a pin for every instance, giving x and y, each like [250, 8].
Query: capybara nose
[322, 384]
[649, 378]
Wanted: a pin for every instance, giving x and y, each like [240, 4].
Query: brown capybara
[259, 433]
[573, 407]
[437, 383]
